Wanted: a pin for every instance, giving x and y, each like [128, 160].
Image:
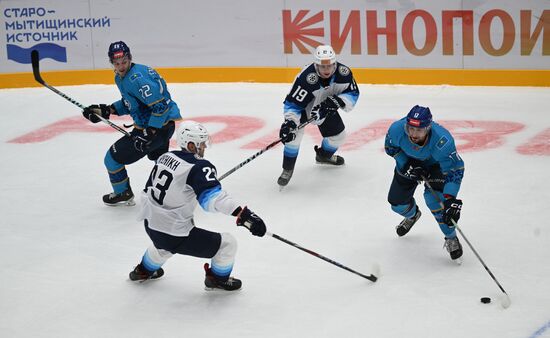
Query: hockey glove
[414, 172]
[142, 143]
[251, 221]
[287, 133]
[319, 114]
[332, 103]
[452, 210]
[92, 111]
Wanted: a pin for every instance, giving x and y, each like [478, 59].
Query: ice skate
[211, 282]
[140, 274]
[284, 178]
[322, 158]
[124, 198]
[454, 248]
[406, 224]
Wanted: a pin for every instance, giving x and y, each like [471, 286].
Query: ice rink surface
[66, 256]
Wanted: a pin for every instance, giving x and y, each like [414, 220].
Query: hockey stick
[36, 71]
[505, 301]
[371, 277]
[269, 146]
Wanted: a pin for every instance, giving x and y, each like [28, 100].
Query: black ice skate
[285, 177]
[141, 274]
[124, 198]
[454, 248]
[323, 158]
[407, 223]
[211, 282]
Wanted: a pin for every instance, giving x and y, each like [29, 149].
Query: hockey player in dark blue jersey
[318, 92]
[178, 182]
[424, 149]
[146, 99]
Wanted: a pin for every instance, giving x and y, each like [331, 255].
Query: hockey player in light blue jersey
[146, 99]
[178, 182]
[423, 148]
[318, 92]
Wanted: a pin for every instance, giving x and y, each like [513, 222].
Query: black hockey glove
[142, 143]
[102, 110]
[251, 221]
[332, 103]
[319, 113]
[329, 106]
[414, 172]
[288, 131]
[452, 210]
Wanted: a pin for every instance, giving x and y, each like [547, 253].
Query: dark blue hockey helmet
[119, 50]
[419, 117]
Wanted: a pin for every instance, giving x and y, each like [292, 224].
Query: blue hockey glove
[102, 110]
[287, 133]
[452, 210]
[251, 221]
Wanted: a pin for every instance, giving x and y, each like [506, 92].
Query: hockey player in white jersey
[179, 181]
[318, 92]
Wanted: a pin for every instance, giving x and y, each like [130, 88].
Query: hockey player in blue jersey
[178, 182]
[146, 99]
[423, 148]
[318, 92]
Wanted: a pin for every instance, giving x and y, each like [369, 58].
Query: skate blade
[143, 281]
[129, 203]
[458, 261]
[330, 165]
[221, 290]
[282, 187]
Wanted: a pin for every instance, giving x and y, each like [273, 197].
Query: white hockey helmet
[191, 131]
[325, 55]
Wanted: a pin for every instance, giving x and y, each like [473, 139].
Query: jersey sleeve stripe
[208, 196]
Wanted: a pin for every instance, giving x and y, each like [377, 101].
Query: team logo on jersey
[312, 78]
[343, 70]
[135, 76]
[442, 141]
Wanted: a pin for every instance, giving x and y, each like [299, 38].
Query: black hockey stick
[36, 71]
[505, 301]
[269, 146]
[373, 278]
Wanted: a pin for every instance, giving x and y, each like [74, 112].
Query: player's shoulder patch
[343, 70]
[312, 78]
[442, 142]
[135, 76]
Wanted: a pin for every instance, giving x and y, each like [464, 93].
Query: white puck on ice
[485, 300]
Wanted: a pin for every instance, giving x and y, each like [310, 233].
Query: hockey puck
[485, 300]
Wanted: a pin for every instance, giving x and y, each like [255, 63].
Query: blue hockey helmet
[419, 117]
[119, 50]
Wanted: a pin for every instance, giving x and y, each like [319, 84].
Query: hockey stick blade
[505, 300]
[35, 58]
